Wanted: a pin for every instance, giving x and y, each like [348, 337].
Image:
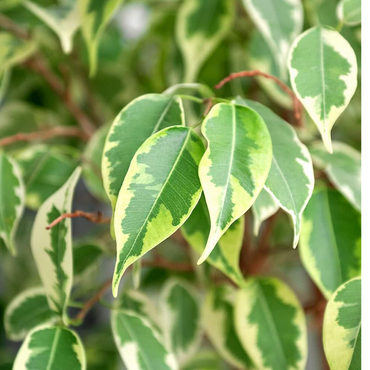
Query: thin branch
[96, 218]
[296, 103]
[8, 25]
[44, 135]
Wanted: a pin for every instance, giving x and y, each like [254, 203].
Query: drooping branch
[296, 103]
[44, 135]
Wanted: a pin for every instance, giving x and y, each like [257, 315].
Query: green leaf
[201, 26]
[49, 347]
[343, 169]
[271, 325]
[163, 183]
[4, 83]
[26, 311]
[342, 327]
[218, 316]
[139, 120]
[44, 169]
[181, 319]
[333, 61]
[349, 11]
[52, 249]
[12, 197]
[85, 257]
[13, 51]
[95, 16]
[291, 178]
[225, 255]
[186, 88]
[330, 247]
[234, 167]
[322, 12]
[263, 208]
[91, 163]
[280, 22]
[63, 19]
[139, 344]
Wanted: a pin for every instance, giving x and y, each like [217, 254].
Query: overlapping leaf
[201, 26]
[342, 327]
[343, 167]
[139, 344]
[234, 167]
[330, 246]
[12, 199]
[51, 347]
[26, 311]
[218, 316]
[225, 255]
[85, 257]
[52, 249]
[291, 178]
[159, 192]
[323, 72]
[271, 325]
[349, 11]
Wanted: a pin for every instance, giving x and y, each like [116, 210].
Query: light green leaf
[13, 51]
[63, 19]
[280, 22]
[234, 167]
[181, 319]
[44, 169]
[342, 327]
[321, 62]
[263, 208]
[4, 83]
[140, 345]
[343, 168]
[85, 258]
[225, 255]
[139, 120]
[95, 16]
[91, 163]
[271, 325]
[136, 274]
[52, 249]
[330, 247]
[218, 315]
[201, 26]
[291, 178]
[349, 11]
[163, 169]
[12, 197]
[49, 347]
[26, 311]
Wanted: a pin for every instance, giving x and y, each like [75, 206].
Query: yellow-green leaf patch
[349, 11]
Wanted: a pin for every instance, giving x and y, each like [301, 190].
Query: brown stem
[8, 25]
[44, 135]
[296, 103]
[96, 218]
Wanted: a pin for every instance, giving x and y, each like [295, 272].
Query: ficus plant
[173, 191]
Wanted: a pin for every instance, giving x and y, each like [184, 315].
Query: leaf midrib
[53, 348]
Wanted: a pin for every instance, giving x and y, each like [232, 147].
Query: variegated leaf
[271, 325]
[12, 199]
[95, 16]
[342, 327]
[201, 26]
[181, 319]
[139, 120]
[26, 311]
[139, 344]
[322, 62]
[330, 247]
[52, 249]
[51, 347]
[263, 208]
[291, 178]
[63, 19]
[164, 169]
[343, 168]
[225, 255]
[280, 22]
[85, 258]
[234, 167]
[349, 11]
[218, 317]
